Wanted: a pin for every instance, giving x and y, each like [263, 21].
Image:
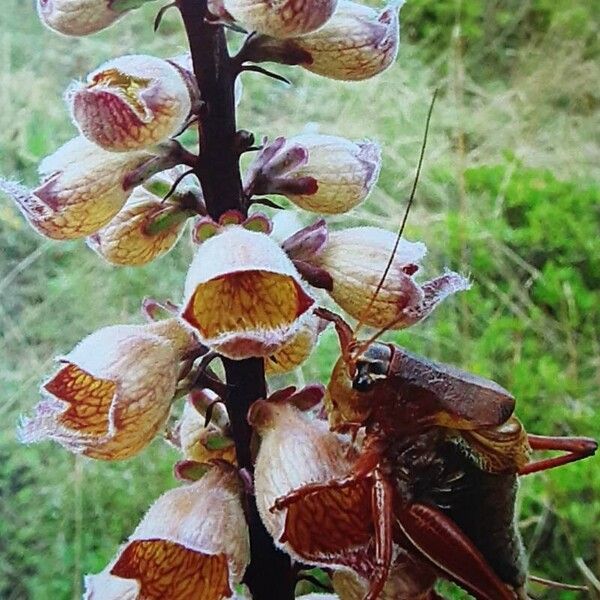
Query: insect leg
[575, 449]
[382, 502]
[445, 545]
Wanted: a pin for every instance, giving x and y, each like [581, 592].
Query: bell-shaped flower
[288, 18]
[145, 229]
[331, 527]
[319, 173]
[79, 17]
[113, 393]
[83, 187]
[131, 102]
[243, 294]
[192, 543]
[357, 43]
[356, 260]
[298, 349]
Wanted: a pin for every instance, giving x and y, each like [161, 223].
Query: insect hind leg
[574, 448]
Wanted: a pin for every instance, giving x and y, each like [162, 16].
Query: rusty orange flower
[113, 393]
[330, 528]
[192, 543]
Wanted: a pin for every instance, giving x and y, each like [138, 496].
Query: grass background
[509, 194]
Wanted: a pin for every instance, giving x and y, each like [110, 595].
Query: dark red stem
[270, 574]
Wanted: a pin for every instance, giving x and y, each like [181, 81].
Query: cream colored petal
[77, 17]
[355, 44]
[286, 18]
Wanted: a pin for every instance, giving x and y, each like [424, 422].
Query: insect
[442, 451]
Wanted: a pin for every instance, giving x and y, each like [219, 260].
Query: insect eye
[378, 368]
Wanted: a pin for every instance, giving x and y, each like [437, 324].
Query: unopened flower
[113, 392]
[83, 187]
[320, 173]
[145, 229]
[243, 294]
[78, 17]
[357, 258]
[357, 43]
[409, 579]
[200, 442]
[131, 102]
[298, 349]
[192, 543]
[288, 18]
[329, 527]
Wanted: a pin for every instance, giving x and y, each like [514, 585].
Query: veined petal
[192, 543]
[77, 17]
[298, 349]
[113, 392]
[288, 18]
[83, 188]
[330, 527]
[243, 294]
[320, 173]
[356, 259]
[357, 43]
[131, 103]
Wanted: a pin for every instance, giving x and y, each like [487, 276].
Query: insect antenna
[405, 217]
[411, 199]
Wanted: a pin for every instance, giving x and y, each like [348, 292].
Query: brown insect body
[417, 412]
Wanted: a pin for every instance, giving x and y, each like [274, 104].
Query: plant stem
[270, 574]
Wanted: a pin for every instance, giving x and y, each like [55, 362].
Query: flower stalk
[270, 574]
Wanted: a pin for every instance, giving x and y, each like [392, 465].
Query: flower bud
[320, 173]
[357, 258]
[145, 229]
[192, 543]
[113, 392]
[243, 294]
[298, 349]
[357, 43]
[83, 188]
[131, 103]
[78, 17]
[288, 18]
[200, 443]
[327, 528]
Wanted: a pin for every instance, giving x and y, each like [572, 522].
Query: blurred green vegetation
[509, 195]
